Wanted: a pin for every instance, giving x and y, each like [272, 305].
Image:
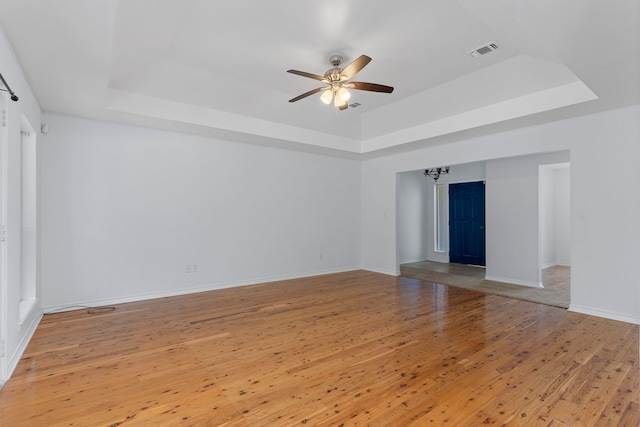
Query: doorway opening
[555, 226]
[512, 184]
[3, 237]
[28, 223]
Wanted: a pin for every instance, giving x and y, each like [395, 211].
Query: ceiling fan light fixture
[338, 82]
[337, 102]
[344, 94]
[326, 97]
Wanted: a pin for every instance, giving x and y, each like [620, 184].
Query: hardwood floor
[557, 277]
[350, 349]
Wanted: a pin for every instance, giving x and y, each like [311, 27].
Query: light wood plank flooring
[557, 277]
[348, 349]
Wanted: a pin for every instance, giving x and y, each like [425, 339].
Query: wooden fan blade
[311, 76]
[343, 106]
[355, 66]
[372, 87]
[311, 92]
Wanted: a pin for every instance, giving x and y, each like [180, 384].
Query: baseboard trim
[186, 291]
[411, 260]
[381, 271]
[604, 314]
[556, 264]
[513, 281]
[13, 361]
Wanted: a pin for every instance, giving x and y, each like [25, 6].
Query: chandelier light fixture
[436, 172]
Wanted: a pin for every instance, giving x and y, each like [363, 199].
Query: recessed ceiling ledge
[549, 99]
[144, 105]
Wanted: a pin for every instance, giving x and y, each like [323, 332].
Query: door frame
[4, 290]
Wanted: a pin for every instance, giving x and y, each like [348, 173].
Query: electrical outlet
[321, 255]
[195, 268]
[188, 268]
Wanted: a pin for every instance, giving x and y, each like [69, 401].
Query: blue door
[466, 223]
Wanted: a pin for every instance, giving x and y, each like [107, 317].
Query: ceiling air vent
[483, 50]
[355, 105]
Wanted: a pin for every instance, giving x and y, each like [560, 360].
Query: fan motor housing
[333, 74]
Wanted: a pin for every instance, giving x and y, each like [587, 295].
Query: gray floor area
[472, 277]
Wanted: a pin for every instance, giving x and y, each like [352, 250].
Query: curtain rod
[14, 97]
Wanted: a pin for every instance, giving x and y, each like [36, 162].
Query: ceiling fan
[338, 81]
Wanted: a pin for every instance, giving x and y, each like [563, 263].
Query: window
[441, 216]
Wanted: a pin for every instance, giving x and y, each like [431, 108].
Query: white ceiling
[219, 68]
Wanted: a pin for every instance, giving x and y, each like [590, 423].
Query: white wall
[605, 232]
[512, 210]
[15, 330]
[413, 224]
[604, 281]
[125, 209]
